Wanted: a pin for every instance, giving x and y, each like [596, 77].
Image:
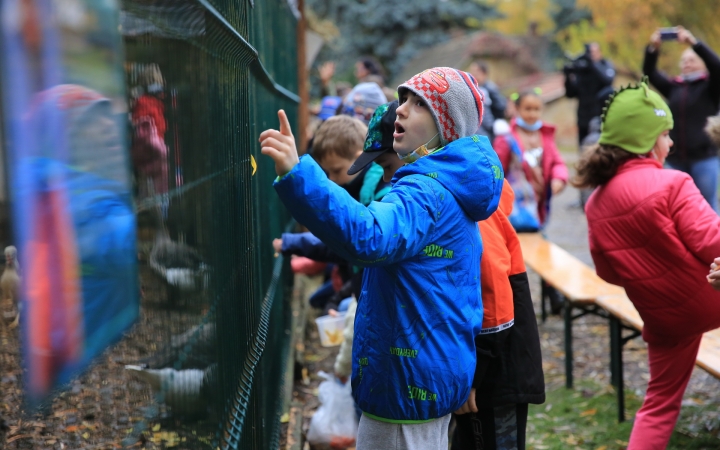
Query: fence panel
[203, 365]
[197, 58]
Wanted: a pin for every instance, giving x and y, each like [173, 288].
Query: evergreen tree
[567, 13]
[395, 31]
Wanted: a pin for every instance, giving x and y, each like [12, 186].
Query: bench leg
[616, 365]
[568, 345]
[615, 348]
[543, 298]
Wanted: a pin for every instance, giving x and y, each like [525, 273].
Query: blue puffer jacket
[420, 308]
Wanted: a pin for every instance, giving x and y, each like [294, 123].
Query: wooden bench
[575, 281]
[582, 289]
[709, 354]
[624, 316]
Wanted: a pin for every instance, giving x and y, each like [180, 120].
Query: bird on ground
[187, 392]
[10, 286]
[193, 349]
[180, 266]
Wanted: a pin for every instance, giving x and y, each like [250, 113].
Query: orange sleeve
[495, 267]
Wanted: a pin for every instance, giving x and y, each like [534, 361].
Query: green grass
[586, 418]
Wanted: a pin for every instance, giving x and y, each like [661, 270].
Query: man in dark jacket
[693, 97]
[586, 79]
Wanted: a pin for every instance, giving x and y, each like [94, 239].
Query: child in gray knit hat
[413, 356]
[363, 100]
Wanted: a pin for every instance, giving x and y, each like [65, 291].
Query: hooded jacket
[509, 360]
[553, 166]
[420, 307]
[653, 233]
[691, 103]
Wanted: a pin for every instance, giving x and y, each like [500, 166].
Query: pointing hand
[280, 145]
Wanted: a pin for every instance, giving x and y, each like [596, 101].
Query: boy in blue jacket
[420, 307]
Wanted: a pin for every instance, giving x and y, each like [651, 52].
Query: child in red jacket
[652, 232]
[544, 168]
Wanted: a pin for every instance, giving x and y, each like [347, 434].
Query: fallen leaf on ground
[285, 418]
[589, 412]
[18, 437]
[170, 439]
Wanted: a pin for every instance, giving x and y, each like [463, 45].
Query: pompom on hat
[634, 117]
[453, 97]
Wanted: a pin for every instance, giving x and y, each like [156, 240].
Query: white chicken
[180, 266]
[187, 391]
[10, 285]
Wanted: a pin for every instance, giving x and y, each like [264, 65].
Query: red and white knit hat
[454, 99]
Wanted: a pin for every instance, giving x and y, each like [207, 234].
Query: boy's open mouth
[399, 130]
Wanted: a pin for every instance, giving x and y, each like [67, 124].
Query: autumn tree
[623, 28]
[516, 16]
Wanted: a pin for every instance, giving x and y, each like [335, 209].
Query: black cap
[379, 138]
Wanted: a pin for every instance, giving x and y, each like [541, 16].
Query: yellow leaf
[253, 164]
[156, 427]
[169, 438]
[285, 418]
[86, 435]
[602, 447]
[589, 412]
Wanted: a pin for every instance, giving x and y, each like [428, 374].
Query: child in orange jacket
[508, 374]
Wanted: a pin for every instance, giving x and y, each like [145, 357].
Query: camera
[578, 63]
[669, 34]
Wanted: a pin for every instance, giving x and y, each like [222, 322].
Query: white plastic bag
[335, 423]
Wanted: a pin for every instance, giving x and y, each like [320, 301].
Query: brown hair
[482, 65]
[598, 165]
[342, 135]
[528, 93]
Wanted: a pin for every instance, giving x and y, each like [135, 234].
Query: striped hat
[454, 99]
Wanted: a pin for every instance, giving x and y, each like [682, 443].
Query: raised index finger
[284, 124]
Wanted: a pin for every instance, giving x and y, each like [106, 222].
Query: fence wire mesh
[222, 69]
[204, 365]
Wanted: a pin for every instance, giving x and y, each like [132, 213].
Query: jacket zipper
[683, 148]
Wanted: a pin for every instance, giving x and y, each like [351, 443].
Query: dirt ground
[106, 407]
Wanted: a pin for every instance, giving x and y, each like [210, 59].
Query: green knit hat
[634, 117]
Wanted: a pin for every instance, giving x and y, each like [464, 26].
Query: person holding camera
[587, 78]
[693, 97]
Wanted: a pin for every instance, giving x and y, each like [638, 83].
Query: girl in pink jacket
[652, 232]
[544, 168]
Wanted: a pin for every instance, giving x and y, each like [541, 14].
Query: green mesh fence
[216, 72]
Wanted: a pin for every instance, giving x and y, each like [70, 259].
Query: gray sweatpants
[376, 435]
